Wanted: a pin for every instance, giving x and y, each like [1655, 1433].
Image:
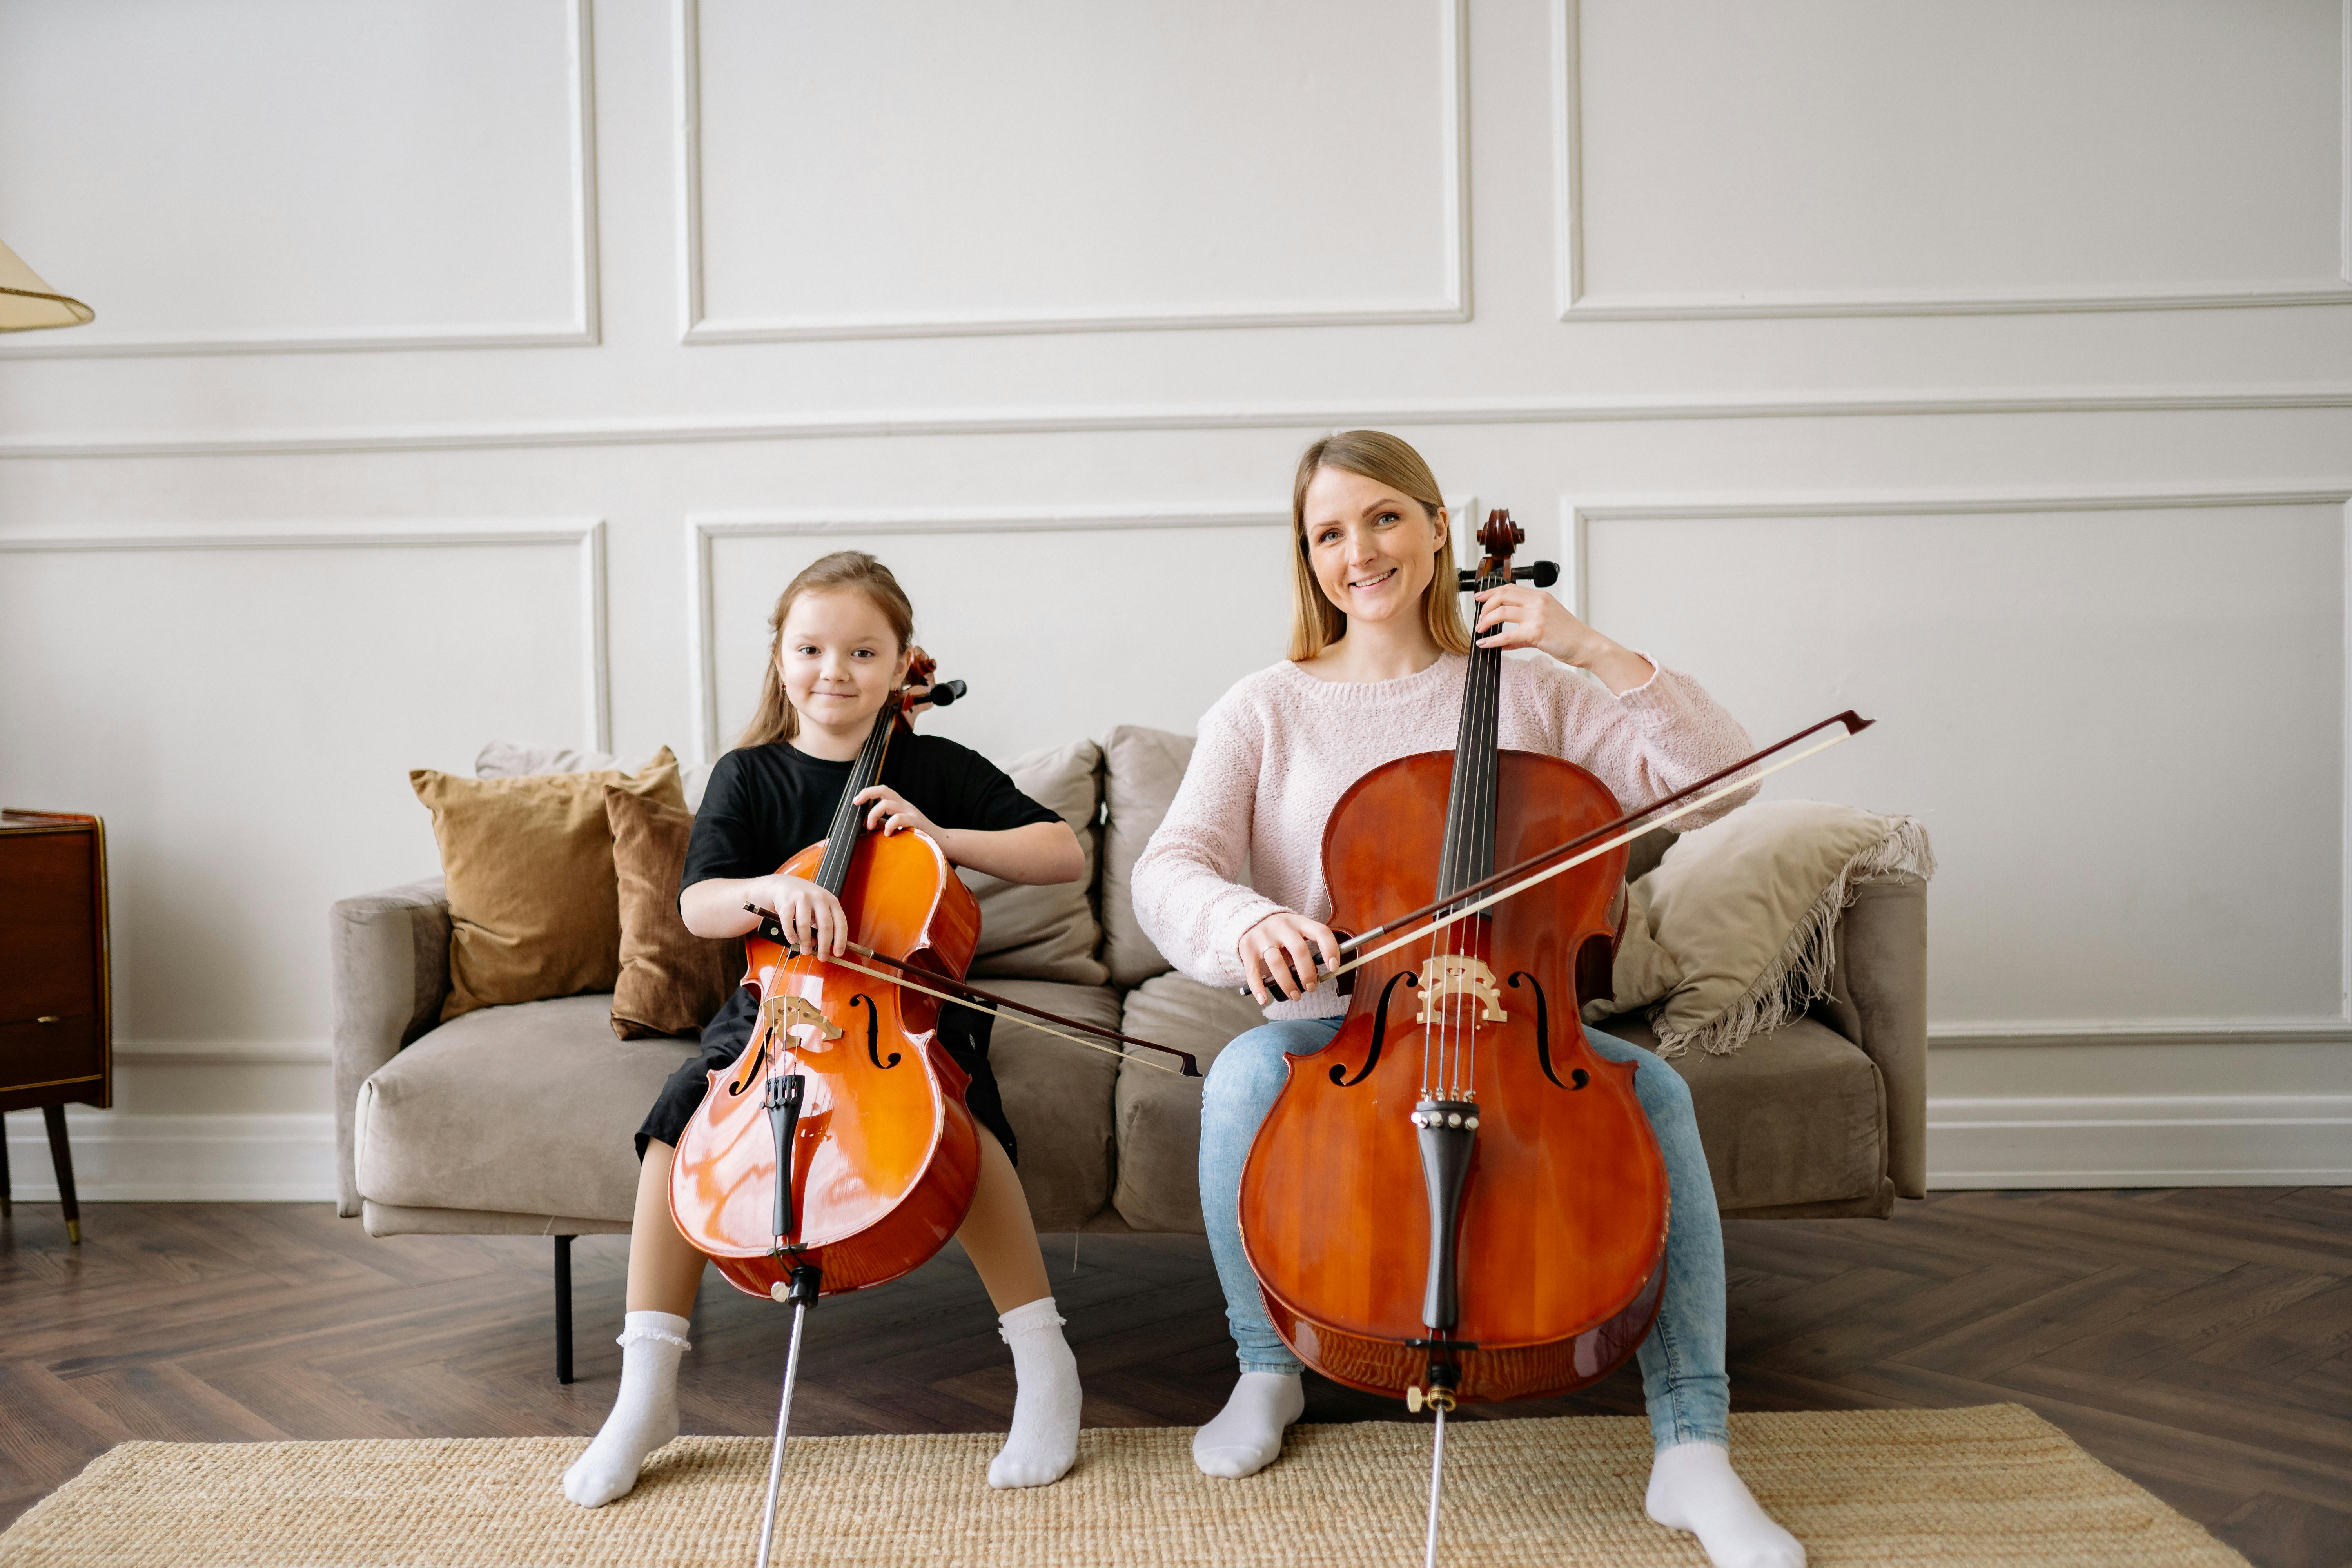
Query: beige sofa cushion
[1159, 1113]
[1047, 932]
[534, 910]
[1141, 769]
[1058, 1097]
[522, 1109]
[1799, 1117]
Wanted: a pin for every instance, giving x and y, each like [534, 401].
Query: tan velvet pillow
[534, 910]
[1048, 931]
[671, 981]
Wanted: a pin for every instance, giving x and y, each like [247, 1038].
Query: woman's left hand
[890, 813]
[1537, 620]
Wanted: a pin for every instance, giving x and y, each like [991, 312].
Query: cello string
[1548, 872]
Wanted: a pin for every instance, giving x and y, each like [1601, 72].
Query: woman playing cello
[1376, 672]
[843, 636]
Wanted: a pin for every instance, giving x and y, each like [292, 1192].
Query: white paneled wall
[470, 371]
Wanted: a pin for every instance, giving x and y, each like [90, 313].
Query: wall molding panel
[1077, 421]
[702, 533]
[579, 326]
[1579, 515]
[584, 539]
[1577, 304]
[697, 327]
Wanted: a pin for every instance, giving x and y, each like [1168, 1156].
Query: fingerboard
[841, 842]
[1469, 853]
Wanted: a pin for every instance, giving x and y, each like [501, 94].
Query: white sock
[645, 1412]
[1692, 1486]
[1043, 1442]
[1247, 1433]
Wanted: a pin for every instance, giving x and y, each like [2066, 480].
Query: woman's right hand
[1283, 948]
[813, 917]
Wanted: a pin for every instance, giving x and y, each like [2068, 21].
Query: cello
[1460, 1086]
[836, 1152]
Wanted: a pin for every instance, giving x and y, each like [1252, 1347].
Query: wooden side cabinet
[56, 1024]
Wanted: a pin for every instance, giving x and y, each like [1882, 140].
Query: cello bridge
[1459, 974]
[784, 1014]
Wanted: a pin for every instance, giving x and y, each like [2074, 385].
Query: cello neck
[841, 842]
[1468, 856]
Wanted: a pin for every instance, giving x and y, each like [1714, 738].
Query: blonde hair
[1316, 622]
[774, 718]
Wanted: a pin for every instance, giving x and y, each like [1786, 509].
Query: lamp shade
[26, 302]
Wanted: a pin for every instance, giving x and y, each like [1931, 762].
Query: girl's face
[839, 658]
[1374, 549]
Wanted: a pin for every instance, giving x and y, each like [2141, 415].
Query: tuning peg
[1542, 574]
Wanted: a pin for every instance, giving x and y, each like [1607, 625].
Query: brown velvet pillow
[672, 981]
[533, 908]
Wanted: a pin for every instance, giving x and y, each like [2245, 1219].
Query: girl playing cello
[1376, 672]
[842, 642]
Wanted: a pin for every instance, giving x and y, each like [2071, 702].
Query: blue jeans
[1682, 1377]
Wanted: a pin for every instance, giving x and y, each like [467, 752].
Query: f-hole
[1380, 1032]
[872, 1033]
[1543, 1036]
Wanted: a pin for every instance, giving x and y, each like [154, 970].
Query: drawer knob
[47, 1018]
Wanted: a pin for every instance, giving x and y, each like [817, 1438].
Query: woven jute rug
[1990, 1486]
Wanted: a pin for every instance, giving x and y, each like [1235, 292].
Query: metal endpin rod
[784, 1417]
[1436, 1472]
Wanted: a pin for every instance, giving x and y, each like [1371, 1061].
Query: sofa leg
[563, 1309]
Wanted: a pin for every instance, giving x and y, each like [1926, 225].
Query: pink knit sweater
[1276, 753]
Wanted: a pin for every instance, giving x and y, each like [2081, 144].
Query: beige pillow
[507, 760]
[1644, 971]
[1048, 931]
[534, 909]
[1748, 910]
[1141, 770]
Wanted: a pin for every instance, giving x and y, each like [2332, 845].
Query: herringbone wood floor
[2200, 1341]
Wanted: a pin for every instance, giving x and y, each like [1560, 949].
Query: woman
[1375, 672]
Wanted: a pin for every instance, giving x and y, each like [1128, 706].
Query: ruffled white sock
[1247, 1433]
[1692, 1486]
[1043, 1442]
[644, 1412]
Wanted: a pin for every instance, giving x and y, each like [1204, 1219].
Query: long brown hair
[1316, 622]
[774, 720]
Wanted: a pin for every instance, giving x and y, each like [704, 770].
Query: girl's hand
[1282, 949]
[1537, 620]
[813, 918]
[891, 812]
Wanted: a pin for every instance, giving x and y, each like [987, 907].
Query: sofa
[518, 1120]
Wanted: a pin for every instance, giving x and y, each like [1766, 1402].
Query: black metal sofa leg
[563, 1309]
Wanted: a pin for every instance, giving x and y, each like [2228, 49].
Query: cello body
[1555, 1248]
[883, 1157]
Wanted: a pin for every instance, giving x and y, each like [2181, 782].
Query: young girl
[1376, 672]
[842, 634]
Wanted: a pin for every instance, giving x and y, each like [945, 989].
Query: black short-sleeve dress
[766, 803]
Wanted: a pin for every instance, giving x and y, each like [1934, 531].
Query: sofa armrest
[1878, 999]
[390, 955]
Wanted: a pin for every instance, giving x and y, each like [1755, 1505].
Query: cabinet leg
[62, 1157]
[563, 1309]
[6, 1207]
